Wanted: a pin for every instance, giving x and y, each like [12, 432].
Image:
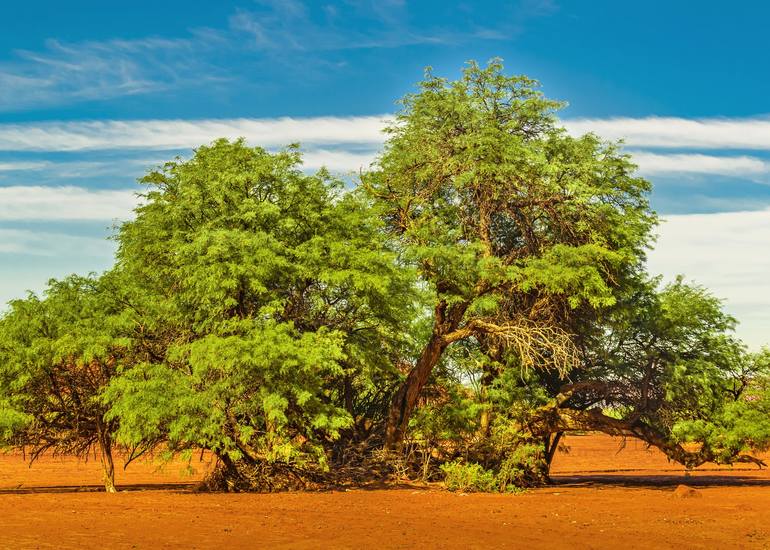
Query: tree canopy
[478, 293]
[57, 355]
[516, 226]
[666, 369]
[277, 297]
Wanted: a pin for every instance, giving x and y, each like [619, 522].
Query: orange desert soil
[603, 497]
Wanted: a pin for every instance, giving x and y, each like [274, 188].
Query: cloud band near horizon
[158, 134]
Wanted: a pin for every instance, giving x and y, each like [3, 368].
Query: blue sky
[92, 93]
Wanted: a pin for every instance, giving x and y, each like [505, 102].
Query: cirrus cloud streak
[186, 134]
[38, 203]
[672, 132]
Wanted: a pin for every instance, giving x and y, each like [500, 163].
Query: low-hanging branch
[556, 418]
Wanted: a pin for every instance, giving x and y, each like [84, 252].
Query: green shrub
[523, 467]
[460, 476]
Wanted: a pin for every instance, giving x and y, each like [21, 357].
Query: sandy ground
[603, 498]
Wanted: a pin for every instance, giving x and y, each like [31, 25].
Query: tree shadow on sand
[641, 481]
[45, 489]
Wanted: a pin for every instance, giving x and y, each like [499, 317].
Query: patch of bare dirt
[602, 498]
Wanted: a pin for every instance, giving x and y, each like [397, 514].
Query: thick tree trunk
[446, 320]
[494, 354]
[405, 399]
[485, 423]
[108, 465]
[348, 394]
[551, 446]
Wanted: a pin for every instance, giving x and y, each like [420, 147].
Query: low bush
[460, 476]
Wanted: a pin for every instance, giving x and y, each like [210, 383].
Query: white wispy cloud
[296, 27]
[726, 253]
[744, 166]
[63, 73]
[27, 203]
[749, 133]
[185, 134]
[18, 166]
[270, 32]
[287, 25]
[671, 132]
[349, 134]
[116, 167]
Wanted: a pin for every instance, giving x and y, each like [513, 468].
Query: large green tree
[515, 226]
[278, 305]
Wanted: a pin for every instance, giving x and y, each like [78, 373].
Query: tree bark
[405, 399]
[348, 394]
[485, 422]
[108, 465]
[494, 354]
[552, 445]
[445, 323]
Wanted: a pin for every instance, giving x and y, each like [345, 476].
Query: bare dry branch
[537, 345]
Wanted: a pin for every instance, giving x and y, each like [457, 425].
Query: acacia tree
[266, 314]
[278, 303]
[57, 354]
[663, 366]
[515, 226]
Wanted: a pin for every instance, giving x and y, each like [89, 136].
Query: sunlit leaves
[278, 286]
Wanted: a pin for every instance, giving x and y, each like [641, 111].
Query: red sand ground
[603, 498]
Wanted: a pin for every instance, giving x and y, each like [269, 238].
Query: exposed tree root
[257, 476]
[269, 477]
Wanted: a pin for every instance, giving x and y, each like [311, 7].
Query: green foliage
[511, 477]
[523, 467]
[57, 354]
[452, 420]
[662, 365]
[275, 296]
[12, 421]
[470, 165]
[725, 423]
[519, 230]
[468, 477]
[269, 315]
[472, 428]
[515, 394]
[257, 391]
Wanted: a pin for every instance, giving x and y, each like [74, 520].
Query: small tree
[57, 354]
[516, 227]
[663, 367]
